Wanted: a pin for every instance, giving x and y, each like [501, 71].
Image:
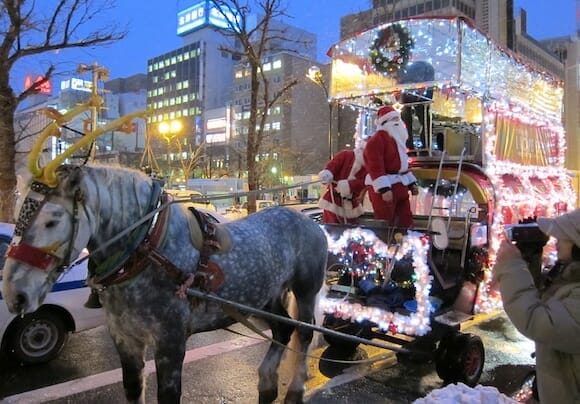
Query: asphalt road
[222, 368]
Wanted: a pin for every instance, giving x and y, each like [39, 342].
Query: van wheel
[37, 337]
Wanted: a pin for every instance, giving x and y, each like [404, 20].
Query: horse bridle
[42, 258]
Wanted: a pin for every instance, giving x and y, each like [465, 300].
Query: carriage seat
[455, 234]
[199, 221]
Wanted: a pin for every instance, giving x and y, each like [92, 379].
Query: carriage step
[343, 289]
[453, 318]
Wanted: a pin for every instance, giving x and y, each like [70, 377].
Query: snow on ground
[463, 394]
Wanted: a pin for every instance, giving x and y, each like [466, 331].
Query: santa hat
[386, 113]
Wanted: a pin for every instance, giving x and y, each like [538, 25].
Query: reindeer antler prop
[47, 174]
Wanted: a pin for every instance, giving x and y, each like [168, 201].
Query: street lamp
[168, 130]
[315, 75]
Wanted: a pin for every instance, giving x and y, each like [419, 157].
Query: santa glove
[414, 188]
[343, 188]
[325, 176]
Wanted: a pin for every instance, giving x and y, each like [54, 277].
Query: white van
[40, 336]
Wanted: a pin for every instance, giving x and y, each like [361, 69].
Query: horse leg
[169, 357]
[268, 371]
[306, 306]
[131, 354]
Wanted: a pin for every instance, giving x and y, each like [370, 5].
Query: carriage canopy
[449, 54]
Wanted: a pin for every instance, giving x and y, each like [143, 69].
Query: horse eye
[50, 224]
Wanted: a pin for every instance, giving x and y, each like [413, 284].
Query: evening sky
[152, 31]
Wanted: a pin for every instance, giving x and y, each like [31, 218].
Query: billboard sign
[44, 88]
[204, 13]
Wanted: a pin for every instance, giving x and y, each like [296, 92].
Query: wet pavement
[231, 377]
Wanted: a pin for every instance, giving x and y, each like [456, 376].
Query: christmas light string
[414, 243]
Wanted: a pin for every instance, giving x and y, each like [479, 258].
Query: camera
[529, 239]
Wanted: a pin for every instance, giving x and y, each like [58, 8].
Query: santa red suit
[345, 176]
[386, 161]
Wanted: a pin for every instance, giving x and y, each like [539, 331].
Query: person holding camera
[550, 313]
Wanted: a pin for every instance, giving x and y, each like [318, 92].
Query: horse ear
[70, 178]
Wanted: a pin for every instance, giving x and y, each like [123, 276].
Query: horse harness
[207, 277]
[41, 258]
[144, 243]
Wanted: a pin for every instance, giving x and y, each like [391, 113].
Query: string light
[414, 243]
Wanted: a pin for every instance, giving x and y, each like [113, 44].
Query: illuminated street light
[315, 75]
[168, 130]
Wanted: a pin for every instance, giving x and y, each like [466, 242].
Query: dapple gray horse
[267, 253]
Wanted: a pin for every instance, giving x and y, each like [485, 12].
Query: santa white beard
[396, 128]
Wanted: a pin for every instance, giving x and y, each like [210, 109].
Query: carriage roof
[464, 61]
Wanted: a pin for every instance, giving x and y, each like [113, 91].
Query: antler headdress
[47, 174]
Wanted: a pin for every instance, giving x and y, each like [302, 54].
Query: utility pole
[98, 73]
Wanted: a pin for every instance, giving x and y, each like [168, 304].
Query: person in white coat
[548, 314]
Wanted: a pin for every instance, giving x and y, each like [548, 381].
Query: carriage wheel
[460, 358]
[345, 327]
[37, 337]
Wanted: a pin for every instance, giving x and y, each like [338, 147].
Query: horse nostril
[20, 300]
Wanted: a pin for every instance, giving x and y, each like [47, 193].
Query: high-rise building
[493, 17]
[296, 125]
[198, 85]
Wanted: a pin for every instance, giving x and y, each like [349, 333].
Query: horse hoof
[268, 396]
[294, 397]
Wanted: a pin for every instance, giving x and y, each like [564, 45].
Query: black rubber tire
[460, 358]
[345, 327]
[443, 365]
[37, 337]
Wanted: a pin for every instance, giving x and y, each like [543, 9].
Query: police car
[40, 336]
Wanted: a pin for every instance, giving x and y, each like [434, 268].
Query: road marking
[77, 386]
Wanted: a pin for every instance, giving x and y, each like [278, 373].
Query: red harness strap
[33, 256]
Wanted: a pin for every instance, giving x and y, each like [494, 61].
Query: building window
[186, 84]
[276, 125]
[178, 86]
[239, 74]
[173, 60]
[277, 64]
[267, 67]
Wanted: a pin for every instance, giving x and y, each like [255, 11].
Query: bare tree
[195, 155]
[27, 29]
[257, 41]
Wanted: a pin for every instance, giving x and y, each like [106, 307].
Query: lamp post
[168, 130]
[315, 75]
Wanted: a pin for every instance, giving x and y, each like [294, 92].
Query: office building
[198, 85]
[493, 17]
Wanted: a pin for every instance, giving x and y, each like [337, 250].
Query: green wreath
[391, 50]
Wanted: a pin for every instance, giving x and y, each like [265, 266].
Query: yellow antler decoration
[47, 175]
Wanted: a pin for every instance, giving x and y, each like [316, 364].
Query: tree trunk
[8, 105]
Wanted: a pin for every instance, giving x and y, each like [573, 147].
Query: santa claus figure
[386, 161]
[345, 177]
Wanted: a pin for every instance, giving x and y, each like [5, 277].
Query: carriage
[488, 149]
[491, 151]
